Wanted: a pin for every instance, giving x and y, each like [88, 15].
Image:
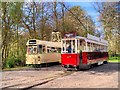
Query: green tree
[71, 24]
[109, 14]
[10, 28]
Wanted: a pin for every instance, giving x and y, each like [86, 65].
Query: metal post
[62, 46]
[76, 46]
[86, 47]
[65, 46]
[72, 45]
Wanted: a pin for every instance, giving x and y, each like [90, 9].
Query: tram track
[44, 82]
[36, 82]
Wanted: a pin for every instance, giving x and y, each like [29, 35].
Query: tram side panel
[96, 57]
[84, 57]
[70, 60]
[43, 58]
[74, 59]
[88, 58]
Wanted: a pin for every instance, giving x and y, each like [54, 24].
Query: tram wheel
[77, 68]
[86, 67]
[89, 66]
[105, 62]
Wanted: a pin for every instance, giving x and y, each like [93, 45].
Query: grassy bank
[16, 68]
[114, 59]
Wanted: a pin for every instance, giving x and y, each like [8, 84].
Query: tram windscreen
[32, 50]
[68, 46]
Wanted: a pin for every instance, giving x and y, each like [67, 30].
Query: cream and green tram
[40, 52]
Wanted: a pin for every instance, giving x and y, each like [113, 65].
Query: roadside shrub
[18, 61]
[13, 62]
[10, 62]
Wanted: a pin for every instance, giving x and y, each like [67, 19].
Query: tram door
[80, 57]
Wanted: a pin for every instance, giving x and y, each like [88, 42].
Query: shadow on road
[105, 68]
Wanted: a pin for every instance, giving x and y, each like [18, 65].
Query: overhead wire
[75, 17]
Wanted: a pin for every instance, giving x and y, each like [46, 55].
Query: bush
[18, 61]
[10, 62]
[13, 62]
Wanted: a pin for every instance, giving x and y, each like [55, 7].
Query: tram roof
[101, 42]
[48, 43]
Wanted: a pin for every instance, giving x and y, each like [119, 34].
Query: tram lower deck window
[58, 50]
[51, 50]
[41, 49]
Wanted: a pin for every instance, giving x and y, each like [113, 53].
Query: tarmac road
[104, 76]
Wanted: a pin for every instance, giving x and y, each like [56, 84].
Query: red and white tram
[81, 52]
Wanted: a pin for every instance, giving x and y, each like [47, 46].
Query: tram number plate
[101, 62]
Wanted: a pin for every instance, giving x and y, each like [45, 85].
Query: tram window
[32, 50]
[58, 50]
[69, 48]
[43, 49]
[63, 48]
[53, 49]
[79, 46]
[73, 46]
[39, 48]
[48, 50]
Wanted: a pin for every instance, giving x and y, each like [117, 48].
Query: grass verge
[114, 59]
[16, 68]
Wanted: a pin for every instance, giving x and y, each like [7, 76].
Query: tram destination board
[32, 42]
[70, 35]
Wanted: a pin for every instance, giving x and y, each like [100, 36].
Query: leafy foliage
[13, 61]
[109, 16]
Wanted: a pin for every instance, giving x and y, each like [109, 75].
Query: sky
[88, 7]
